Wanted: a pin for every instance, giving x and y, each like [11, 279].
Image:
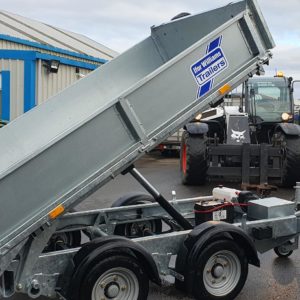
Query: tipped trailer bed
[99, 127]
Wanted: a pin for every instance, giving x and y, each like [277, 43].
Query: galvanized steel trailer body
[57, 154]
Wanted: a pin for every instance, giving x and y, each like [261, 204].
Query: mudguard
[196, 128]
[209, 231]
[204, 234]
[289, 128]
[102, 248]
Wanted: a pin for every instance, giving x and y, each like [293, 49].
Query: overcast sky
[119, 24]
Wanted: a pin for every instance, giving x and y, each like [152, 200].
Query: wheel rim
[117, 284]
[283, 251]
[221, 273]
[183, 159]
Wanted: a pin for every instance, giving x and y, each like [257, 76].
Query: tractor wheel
[193, 159]
[291, 164]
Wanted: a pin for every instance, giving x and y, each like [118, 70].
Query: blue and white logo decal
[207, 68]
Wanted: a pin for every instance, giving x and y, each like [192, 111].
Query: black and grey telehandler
[256, 142]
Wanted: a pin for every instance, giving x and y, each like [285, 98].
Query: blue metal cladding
[5, 77]
[29, 84]
[66, 61]
[29, 58]
[33, 55]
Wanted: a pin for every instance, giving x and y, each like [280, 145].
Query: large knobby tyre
[222, 269]
[291, 164]
[119, 277]
[193, 159]
[138, 228]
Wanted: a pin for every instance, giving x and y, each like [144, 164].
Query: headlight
[198, 117]
[286, 116]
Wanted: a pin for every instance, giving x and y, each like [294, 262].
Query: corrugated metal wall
[16, 68]
[49, 84]
[15, 46]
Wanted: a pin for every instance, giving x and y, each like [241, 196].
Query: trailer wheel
[193, 159]
[222, 270]
[282, 252]
[118, 277]
[291, 164]
[139, 228]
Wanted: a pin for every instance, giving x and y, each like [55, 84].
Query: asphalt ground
[276, 279]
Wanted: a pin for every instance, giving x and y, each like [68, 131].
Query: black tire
[210, 255]
[281, 253]
[112, 271]
[291, 165]
[154, 226]
[193, 159]
[133, 199]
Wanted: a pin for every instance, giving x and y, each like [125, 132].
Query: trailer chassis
[28, 269]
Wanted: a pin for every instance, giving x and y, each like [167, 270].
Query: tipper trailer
[99, 127]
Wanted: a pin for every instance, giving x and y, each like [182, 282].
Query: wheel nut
[224, 277]
[115, 278]
[213, 281]
[208, 271]
[102, 285]
[123, 288]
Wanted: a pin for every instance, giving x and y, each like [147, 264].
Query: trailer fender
[196, 128]
[288, 128]
[101, 248]
[200, 237]
[209, 231]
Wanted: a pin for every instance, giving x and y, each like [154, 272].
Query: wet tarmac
[277, 279]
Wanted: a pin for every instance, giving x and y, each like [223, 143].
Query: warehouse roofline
[30, 30]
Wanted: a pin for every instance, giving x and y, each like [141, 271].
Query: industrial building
[38, 60]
